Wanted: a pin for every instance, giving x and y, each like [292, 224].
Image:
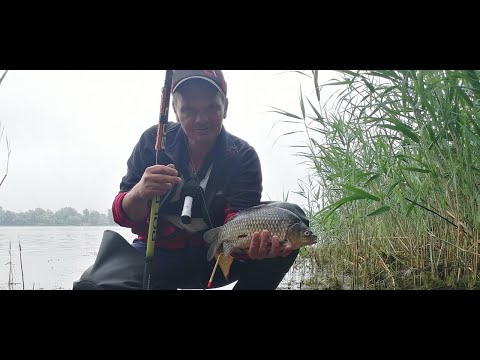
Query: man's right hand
[157, 180]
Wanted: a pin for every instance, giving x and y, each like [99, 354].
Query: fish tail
[212, 237]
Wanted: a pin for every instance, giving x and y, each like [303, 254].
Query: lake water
[53, 257]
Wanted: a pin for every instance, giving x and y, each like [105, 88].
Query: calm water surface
[53, 257]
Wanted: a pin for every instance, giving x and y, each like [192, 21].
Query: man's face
[200, 109]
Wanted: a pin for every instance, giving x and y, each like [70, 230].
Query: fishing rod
[191, 190]
[159, 145]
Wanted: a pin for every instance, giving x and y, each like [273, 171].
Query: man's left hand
[262, 248]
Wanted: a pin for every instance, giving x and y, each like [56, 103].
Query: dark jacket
[235, 182]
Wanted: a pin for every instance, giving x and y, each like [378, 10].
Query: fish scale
[238, 232]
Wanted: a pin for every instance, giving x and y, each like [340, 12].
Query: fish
[237, 233]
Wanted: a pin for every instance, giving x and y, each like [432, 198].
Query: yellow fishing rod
[159, 145]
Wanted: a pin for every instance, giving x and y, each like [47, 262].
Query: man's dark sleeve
[143, 156]
[245, 189]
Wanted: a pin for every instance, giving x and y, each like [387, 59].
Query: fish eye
[306, 233]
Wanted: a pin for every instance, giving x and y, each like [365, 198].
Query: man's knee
[285, 263]
[278, 264]
[294, 208]
[264, 274]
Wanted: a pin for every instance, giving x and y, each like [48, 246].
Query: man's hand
[156, 181]
[262, 248]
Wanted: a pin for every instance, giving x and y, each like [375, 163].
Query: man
[199, 153]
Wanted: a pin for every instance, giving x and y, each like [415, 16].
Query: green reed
[395, 177]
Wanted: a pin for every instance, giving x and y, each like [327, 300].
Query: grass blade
[380, 211]
[362, 193]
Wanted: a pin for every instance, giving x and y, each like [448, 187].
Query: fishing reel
[191, 190]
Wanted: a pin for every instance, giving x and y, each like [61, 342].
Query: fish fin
[212, 237]
[213, 249]
[225, 263]
[227, 248]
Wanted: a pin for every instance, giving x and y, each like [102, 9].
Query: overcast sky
[71, 132]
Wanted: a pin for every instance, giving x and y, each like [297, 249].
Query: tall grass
[11, 273]
[3, 76]
[9, 151]
[394, 187]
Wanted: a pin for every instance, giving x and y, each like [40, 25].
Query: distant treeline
[65, 216]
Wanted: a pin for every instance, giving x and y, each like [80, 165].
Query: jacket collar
[176, 147]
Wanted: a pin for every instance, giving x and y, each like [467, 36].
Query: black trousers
[120, 266]
[188, 268]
